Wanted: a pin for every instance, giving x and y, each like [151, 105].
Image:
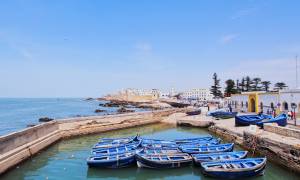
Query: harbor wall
[280, 145]
[288, 131]
[17, 147]
[282, 151]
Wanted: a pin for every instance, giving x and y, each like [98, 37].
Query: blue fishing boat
[113, 150]
[224, 115]
[214, 141]
[159, 161]
[207, 149]
[160, 151]
[121, 140]
[110, 144]
[193, 113]
[234, 169]
[209, 113]
[102, 145]
[112, 160]
[246, 120]
[157, 143]
[281, 120]
[189, 140]
[200, 158]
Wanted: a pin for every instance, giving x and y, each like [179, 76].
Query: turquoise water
[17, 113]
[67, 160]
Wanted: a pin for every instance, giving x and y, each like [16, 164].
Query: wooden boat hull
[200, 158]
[224, 115]
[114, 150]
[155, 143]
[96, 161]
[193, 113]
[247, 120]
[207, 149]
[121, 140]
[100, 145]
[147, 163]
[160, 151]
[281, 120]
[189, 140]
[234, 173]
[178, 104]
[214, 141]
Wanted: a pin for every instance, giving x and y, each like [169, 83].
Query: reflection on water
[67, 159]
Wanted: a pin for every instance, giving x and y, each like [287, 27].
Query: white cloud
[228, 38]
[273, 70]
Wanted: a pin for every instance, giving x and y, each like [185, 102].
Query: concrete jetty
[18, 146]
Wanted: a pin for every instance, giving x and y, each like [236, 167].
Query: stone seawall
[18, 146]
[278, 144]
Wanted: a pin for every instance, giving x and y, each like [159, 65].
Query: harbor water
[17, 113]
[67, 159]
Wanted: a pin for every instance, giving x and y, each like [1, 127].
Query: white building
[141, 92]
[281, 101]
[200, 94]
[288, 98]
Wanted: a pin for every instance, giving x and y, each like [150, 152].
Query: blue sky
[67, 48]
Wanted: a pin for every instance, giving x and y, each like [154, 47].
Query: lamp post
[294, 106]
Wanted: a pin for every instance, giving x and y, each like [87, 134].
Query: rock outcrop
[45, 119]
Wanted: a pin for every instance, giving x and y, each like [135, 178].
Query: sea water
[17, 113]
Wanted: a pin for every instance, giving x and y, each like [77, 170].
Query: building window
[261, 106]
[285, 106]
[293, 104]
[272, 105]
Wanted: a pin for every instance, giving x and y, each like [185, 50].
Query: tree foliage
[216, 88]
[279, 86]
[230, 88]
[256, 84]
[266, 85]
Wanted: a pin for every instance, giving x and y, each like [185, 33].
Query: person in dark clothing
[230, 108]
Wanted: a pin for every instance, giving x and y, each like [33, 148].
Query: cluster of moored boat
[214, 159]
[260, 120]
[252, 119]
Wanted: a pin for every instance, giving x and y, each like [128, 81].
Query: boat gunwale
[256, 167]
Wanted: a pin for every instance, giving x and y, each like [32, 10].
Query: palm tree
[242, 85]
[248, 83]
[280, 85]
[266, 85]
[238, 90]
